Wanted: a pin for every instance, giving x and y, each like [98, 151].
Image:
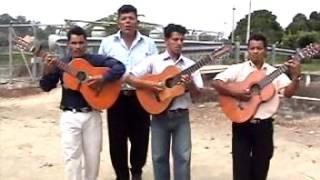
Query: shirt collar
[138, 36]
[166, 56]
[264, 66]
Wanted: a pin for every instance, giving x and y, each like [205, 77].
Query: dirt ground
[31, 150]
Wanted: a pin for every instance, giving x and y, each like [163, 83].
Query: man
[126, 118]
[252, 141]
[173, 125]
[80, 124]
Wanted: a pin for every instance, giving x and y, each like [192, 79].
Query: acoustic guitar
[76, 74]
[261, 88]
[157, 102]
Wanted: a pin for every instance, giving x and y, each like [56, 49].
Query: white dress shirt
[158, 63]
[239, 72]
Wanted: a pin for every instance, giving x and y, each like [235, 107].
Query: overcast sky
[210, 15]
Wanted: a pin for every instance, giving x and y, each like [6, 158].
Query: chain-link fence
[17, 65]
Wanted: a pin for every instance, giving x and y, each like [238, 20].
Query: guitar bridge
[157, 96]
[240, 106]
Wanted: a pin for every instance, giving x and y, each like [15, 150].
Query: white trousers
[81, 136]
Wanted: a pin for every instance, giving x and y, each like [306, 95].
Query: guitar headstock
[309, 51]
[27, 44]
[223, 50]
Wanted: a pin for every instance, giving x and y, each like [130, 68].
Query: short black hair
[77, 30]
[127, 8]
[170, 28]
[259, 37]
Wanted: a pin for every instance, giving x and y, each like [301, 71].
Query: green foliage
[312, 65]
[299, 23]
[300, 39]
[262, 22]
[302, 31]
[314, 21]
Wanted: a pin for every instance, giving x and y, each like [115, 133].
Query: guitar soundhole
[169, 83]
[81, 76]
[255, 89]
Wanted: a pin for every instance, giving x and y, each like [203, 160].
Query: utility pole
[248, 29]
[248, 23]
[232, 32]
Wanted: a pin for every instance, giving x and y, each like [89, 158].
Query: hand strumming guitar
[155, 86]
[95, 82]
[241, 94]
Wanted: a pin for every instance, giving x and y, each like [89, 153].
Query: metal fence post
[10, 55]
[237, 52]
[273, 54]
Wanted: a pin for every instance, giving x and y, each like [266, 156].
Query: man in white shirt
[172, 125]
[252, 141]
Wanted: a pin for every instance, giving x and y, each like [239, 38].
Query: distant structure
[98, 30]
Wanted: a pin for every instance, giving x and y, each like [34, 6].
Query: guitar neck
[198, 65]
[192, 68]
[205, 60]
[59, 64]
[268, 79]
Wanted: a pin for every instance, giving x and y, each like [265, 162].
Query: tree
[300, 39]
[262, 22]
[299, 23]
[314, 21]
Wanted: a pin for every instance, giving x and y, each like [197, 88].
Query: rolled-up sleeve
[228, 75]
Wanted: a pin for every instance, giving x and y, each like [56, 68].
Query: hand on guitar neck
[28, 43]
[294, 68]
[48, 64]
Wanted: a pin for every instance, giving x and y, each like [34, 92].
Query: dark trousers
[252, 149]
[128, 120]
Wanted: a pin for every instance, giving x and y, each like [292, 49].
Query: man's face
[175, 43]
[257, 51]
[77, 45]
[127, 22]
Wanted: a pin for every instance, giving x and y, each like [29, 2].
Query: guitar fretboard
[203, 61]
[282, 69]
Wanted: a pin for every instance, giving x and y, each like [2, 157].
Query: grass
[17, 59]
[311, 67]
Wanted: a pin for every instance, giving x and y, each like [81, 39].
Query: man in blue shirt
[80, 124]
[126, 118]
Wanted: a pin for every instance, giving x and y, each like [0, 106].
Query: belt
[172, 112]
[128, 92]
[179, 110]
[258, 121]
[83, 109]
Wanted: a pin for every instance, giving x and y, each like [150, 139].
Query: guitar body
[157, 103]
[103, 99]
[241, 111]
